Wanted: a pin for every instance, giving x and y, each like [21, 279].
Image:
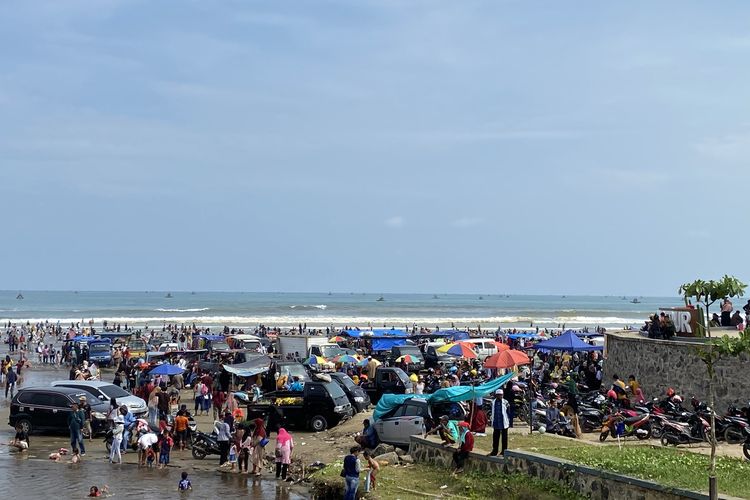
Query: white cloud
[467, 222]
[395, 221]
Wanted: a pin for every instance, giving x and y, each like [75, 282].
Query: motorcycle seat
[632, 420]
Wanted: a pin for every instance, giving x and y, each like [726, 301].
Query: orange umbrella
[501, 347]
[507, 359]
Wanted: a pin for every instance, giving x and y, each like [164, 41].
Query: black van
[318, 406]
[47, 409]
[357, 396]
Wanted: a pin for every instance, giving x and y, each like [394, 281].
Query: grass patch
[424, 480]
[667, 466]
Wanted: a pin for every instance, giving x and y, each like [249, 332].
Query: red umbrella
[500, 346]
[507, 359]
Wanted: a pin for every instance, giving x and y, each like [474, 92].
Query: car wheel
[318, 423]
[25, 425]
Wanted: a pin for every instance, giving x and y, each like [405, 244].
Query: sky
[386, 146]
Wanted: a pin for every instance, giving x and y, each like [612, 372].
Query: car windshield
[219, 346]
[411, 351]
[331, 351]
[89, 398]
[136, 344]
[293, 370]
[99, 348]
[348, 382]
[335, 390]
[112, 391]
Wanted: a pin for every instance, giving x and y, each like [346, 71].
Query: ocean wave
[191, 310]
[322, 307]
[375, 321]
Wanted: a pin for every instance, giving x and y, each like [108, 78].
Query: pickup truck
[320, 405]
[387, 380]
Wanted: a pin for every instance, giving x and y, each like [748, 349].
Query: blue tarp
[352, 333]
[254, 366]
[457, 335]
[449, 394]
[387, 332]
[82, 339]
[386, 344]
[212, 338]
[524, 336]
[568, 341]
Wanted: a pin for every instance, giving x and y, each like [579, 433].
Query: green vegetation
[421, 481]
[667, 466]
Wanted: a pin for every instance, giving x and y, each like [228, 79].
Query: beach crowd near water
[553, 391]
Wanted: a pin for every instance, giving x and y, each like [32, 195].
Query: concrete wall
[592, 483]
[660, 364]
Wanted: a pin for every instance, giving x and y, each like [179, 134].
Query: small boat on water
[481, 298]
[435, 297]
[168, 296]
[635, 301]
[19, 296]
[380, 299]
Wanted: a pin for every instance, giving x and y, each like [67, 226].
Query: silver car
[105, 391]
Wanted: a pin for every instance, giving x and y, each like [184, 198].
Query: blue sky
[521, 147]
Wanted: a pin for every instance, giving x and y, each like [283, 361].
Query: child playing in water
[184, 484]
[150, 456]
[76, 458]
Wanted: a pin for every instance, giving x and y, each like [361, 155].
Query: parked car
[105, 391]
[137, 348]
[483, 347]
[403, 350]
[47, 409]
[357, 396]
[388, 380]
[318, 406]
[433, 358]
[413, 416]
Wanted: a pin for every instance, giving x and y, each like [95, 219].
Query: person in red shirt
[219, 398]
[465, 446]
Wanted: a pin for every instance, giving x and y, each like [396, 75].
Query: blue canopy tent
[457, 335]
[448, 394]
[386, 332]
[529, 336]
[166, 369]
[352, 333]
[568, 341]
[381, 344]
[212, 338]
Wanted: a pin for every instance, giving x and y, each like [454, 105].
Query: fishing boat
[635, 301]
[168, 296]
[19, 296]
[380, 299]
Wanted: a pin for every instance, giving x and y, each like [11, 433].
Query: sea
[286, 310]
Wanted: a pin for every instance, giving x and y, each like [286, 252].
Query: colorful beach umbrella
[408, 359]
[501, 347]
[314, 360]
[507, 359]
[463, 350]
[363, 362]
[337, 338]
[446, 347]
[345, 358]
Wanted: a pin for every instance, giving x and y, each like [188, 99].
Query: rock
[399, 452]
[381, 449]
[406, 459]
[387, 458]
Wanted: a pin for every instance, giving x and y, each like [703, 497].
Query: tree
[706, 293]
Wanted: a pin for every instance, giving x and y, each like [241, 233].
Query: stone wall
[660, 364]
[592, 483]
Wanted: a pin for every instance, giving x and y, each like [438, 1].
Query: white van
[484, 347]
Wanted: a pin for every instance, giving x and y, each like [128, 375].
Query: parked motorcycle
[746, 446]
[204, 445]
[695, 430]
[638, 426]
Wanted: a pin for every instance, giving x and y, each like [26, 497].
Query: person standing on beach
[10, 381]
[726, 312]
[500, 423]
